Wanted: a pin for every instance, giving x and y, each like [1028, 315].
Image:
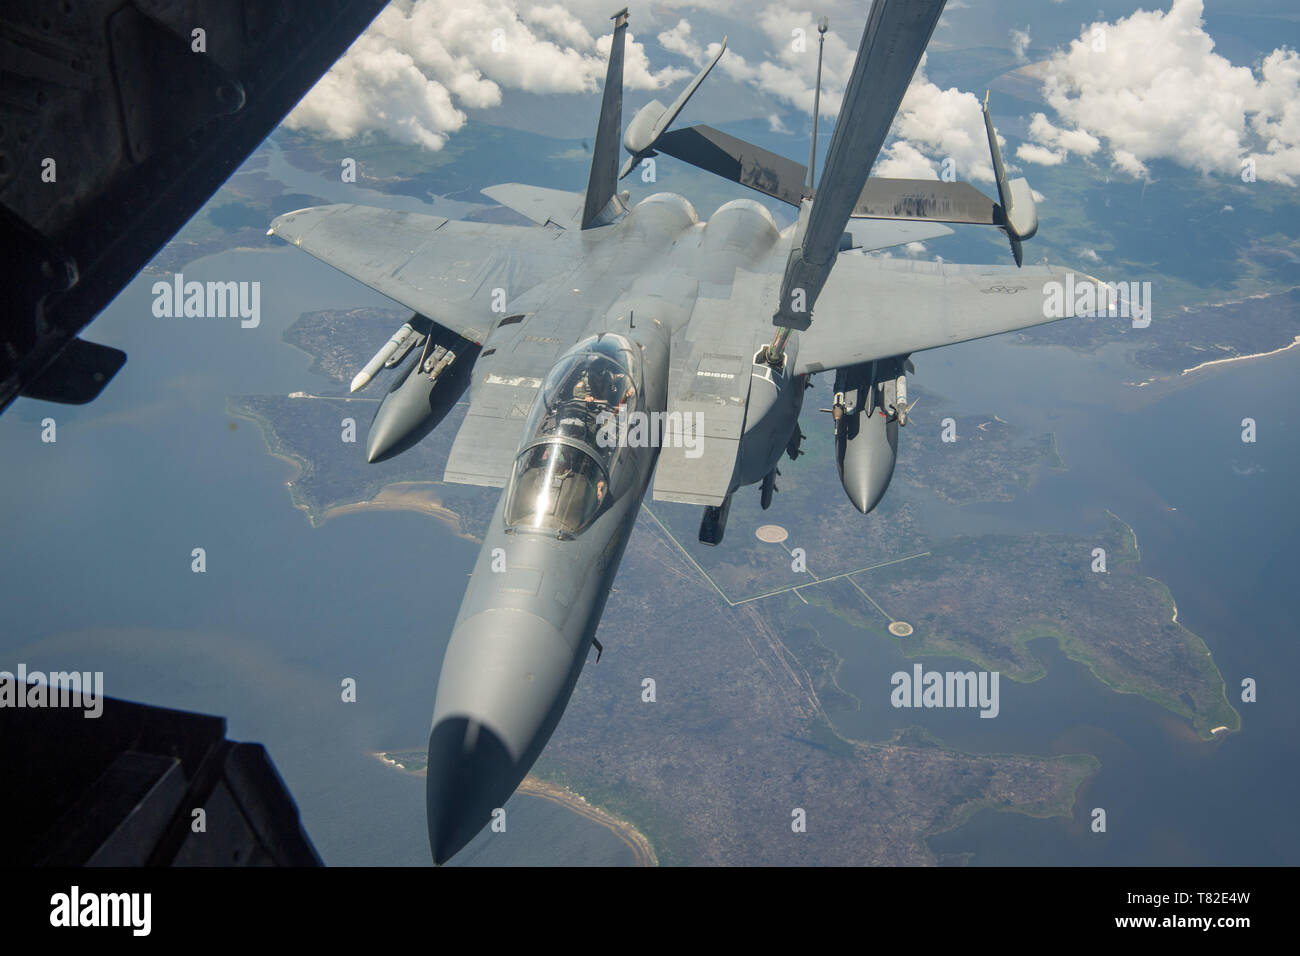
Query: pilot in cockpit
[621, 390]
[582, 389]
[605, 388]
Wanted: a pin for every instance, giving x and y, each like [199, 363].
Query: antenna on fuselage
[822, 25]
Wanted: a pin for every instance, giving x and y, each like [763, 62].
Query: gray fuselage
[535, 597]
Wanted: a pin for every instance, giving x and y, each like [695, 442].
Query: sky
[1120, 93]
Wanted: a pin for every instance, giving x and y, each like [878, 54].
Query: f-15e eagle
[612, 344]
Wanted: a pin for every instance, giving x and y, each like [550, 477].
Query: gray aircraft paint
[696, 301]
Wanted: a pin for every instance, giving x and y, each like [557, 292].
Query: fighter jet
[611, 344]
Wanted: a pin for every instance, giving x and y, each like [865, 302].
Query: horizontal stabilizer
[764, 171]
[931, 200]
[734, 159]
[541, 205]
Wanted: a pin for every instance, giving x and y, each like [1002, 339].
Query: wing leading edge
[877, 308]
[446, 269]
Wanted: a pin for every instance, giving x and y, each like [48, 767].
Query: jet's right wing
[454, 272]
[875, 308]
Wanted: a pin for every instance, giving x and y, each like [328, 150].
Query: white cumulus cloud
[1020, 43]
[1033, 153]
[678, 39]
[421, 63]
[787, 68]
[934, 125]
[1150, 86]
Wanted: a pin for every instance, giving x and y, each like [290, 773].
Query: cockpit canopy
[556, 488]
[562, 475]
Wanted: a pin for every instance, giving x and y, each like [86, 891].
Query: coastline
[1204, 365]
[577, 803]
[1076, 648]
[1240, 358]
[1172, 605]
[403, 496]
[418, 496]
[534, 786]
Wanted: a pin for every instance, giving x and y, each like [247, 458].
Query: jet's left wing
[456, 273]
[878, 308]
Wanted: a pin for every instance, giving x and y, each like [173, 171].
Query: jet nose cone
[470, 774]
[505, 679]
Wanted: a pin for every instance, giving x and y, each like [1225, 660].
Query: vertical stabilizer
[603, 179]
[1019, 213]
